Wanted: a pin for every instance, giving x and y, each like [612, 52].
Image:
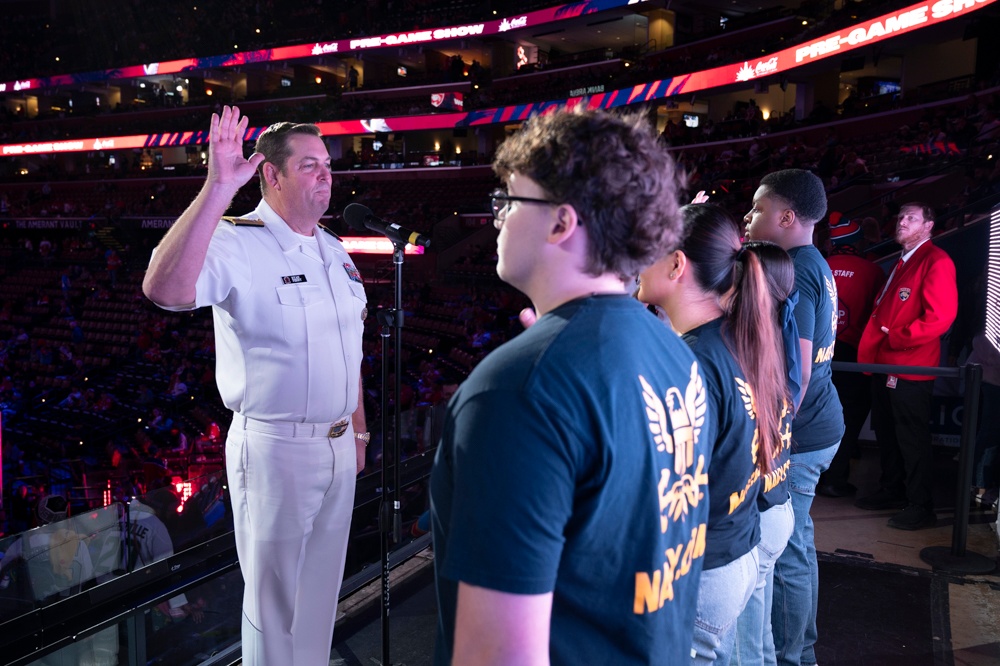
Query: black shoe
[883, 499]
[985, 500]
[913, 517]
[835, 489]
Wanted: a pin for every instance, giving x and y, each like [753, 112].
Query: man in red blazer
[913, 311]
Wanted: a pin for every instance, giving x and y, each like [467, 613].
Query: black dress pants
[901, 420]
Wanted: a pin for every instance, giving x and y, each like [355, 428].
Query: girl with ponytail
[718, 298]
[753, 642]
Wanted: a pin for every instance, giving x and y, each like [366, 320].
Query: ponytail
[752, 331]
[756, 342]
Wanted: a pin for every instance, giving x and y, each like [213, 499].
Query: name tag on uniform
[293, 279]
[891, 380]
[353, 273]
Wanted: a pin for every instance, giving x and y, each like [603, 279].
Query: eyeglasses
[500, 202]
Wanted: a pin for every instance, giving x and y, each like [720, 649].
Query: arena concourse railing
[155, 579]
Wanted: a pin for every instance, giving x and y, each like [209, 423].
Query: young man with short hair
[786, 207]
[569, 492]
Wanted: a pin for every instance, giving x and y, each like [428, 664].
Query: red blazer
[919, 307]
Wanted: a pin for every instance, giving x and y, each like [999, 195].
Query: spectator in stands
[178, 388]
[114, 263]
[74, 400]
[590, 203]
[292, 416]
[158, 421]
[45, 250]
[76, 332]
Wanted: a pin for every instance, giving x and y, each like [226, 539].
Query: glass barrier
[182, 631]
[71, 555]
[87, 556]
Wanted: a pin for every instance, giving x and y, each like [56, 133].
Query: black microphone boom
[360, 217]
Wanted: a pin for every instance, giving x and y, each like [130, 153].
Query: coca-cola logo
[746, 72]
[320, 49]
[512, 24]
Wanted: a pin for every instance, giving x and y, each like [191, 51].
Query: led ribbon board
[904, 21]
[493, 27]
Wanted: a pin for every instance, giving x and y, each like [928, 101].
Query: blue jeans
[796, 574]
[753, 641]
[722, 594]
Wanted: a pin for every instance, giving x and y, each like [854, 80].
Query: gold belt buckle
[338, 428]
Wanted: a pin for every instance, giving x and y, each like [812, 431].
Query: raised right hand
[226, 164]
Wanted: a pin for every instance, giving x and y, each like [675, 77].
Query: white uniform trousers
[293, 495]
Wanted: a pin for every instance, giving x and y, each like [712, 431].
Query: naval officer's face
[304, 184]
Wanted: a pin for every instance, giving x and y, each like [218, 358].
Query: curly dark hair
[614, 172]
[273, 145]
[802, 190]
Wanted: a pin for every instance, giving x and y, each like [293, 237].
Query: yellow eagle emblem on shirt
[676, 422]
[749, 403]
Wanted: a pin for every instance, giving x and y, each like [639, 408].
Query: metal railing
[956, 559]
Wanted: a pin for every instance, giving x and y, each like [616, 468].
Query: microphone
[360, 217]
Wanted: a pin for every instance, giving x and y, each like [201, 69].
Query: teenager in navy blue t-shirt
[786, 207]
[716, 295]
[569, 493]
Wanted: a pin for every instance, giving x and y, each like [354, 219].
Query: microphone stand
[390, 520]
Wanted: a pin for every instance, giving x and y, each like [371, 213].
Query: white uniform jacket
[288, 320]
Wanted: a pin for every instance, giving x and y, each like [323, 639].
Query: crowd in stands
[893, 145]
[101, 389]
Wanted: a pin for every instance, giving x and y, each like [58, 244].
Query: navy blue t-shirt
[819, 423]
[774, 484]
[573, 461]
[733, 475]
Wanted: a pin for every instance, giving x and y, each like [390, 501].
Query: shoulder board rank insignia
[328, 230]
[242, 221]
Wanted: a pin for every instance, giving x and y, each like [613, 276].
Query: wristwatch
[364, 437]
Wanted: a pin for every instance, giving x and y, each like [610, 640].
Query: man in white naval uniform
[288, 305]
